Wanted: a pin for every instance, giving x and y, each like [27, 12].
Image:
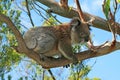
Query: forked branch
[110, 16]
[79, 10]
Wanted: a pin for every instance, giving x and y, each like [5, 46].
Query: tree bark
[54, 7]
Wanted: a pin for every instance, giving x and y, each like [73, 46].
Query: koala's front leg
[65, 48]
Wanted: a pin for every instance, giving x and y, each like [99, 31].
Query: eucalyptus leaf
[106, 8]
[118, 1]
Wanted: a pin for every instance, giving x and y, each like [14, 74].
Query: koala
[57, 40]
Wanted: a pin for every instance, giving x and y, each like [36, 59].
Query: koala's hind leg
[45, 42]
[65, 48]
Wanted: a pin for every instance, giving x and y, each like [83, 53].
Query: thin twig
[24, 26]
[51, 74]
[29, 14]
[79, 10]
[20, 7]
[45, 11]
[43, 76]
[38, 12]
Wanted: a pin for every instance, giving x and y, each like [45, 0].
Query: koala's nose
[87, 39]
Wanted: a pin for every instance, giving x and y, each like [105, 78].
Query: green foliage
[9, 77]
[8, 56]
[106, 8]
[79, 73]
[50, 21]
[5, 6]
[110, 10]
[23, 3]
[21, 78]
[96, 78]
[92, 78]
[2, 77]
[47, 78]
[118, 1]
[76, 48]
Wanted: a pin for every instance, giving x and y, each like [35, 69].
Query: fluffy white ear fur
[75, 23]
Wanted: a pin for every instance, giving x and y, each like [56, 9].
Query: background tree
[14, 14]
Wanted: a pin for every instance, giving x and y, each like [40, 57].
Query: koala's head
[80, 31]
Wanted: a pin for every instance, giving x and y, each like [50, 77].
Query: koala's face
[80, 31]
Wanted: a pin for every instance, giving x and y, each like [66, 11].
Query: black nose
[86, 39]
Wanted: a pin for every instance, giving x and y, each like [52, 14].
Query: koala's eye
[81, 33]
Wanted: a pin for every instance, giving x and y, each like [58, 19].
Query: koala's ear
[75, 28]
[75, 22]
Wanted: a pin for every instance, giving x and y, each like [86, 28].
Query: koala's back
[45, 39]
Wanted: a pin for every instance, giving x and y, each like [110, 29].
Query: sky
[107, 66]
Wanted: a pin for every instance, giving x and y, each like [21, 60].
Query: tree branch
[29, 14]
[21, 48]
[48, 62]
[7, 20]
[50, 72]
[79, 11]
[70, 13]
